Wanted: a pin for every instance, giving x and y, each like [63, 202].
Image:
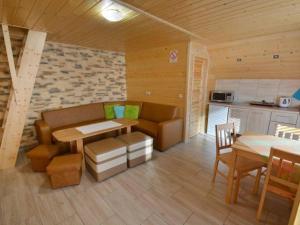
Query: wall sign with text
[173, 56]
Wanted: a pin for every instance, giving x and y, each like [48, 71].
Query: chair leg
[215, 170]
[257, 181]
[237, 187]
[262, 200]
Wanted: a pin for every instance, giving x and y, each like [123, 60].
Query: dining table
[258, 147]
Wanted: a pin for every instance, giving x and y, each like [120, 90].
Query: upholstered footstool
[139, 147]
[41, 156]
[65, 170]
[105, 158]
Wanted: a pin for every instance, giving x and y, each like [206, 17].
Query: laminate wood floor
[174, 188]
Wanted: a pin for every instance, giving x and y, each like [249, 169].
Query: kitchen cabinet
[289, 118]
[239, 117]
[217, 114]
[273, 127]
[251, 118]
[258, 121]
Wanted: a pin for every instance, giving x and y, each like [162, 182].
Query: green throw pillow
[132, 112]
[109, 111]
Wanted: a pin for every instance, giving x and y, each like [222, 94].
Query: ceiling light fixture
[113, 15]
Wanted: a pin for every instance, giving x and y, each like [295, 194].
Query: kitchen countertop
[247, 105]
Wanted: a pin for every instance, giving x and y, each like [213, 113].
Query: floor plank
[173, 188]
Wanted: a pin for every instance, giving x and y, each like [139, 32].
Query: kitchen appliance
[284, 101]
[217, 114]
[222, 96]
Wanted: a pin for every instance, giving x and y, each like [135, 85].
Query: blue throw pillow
[119, 111]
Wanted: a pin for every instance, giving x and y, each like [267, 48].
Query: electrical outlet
[239, 60]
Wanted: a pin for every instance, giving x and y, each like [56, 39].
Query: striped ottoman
[139, 148]
[105, 158]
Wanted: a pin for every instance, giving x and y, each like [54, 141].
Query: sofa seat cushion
[147, 127]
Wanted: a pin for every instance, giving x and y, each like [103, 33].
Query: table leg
[230, 178]
[119, 132]
[128, 129]
[79, 147]
[73, 147]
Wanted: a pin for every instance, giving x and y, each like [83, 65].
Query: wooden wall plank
[149, 70]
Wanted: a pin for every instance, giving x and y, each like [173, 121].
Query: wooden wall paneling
[257, 58]
[17, 111]
[150, 77]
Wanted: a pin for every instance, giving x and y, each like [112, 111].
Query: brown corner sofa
[157, 120]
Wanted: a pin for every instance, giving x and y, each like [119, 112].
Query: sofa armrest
[169, 133]
[43, 132]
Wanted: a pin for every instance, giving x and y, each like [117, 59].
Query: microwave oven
[222, 96]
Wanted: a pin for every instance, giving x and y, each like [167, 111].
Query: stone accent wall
[71, 75]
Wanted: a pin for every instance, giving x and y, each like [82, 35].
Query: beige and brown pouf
[139, 147]
[105, 158]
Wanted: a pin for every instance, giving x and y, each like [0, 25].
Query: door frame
[194, 50]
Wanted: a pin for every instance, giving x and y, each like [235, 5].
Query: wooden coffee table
[75, 137]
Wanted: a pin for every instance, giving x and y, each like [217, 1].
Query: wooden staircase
[18, 37]
[20, 54]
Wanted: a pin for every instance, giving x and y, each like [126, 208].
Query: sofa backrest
[158, 112]
[73, 115]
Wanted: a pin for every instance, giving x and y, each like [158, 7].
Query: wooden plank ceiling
[227, 20]
[79, 21]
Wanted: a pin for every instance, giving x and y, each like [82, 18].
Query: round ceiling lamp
[113, 15]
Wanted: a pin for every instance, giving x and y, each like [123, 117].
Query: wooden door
[197, 97]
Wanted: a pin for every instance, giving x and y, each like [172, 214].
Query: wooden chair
[287, 132]
[225, 136]
[282, 178]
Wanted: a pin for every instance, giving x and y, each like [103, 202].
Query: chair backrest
[287, 132]
[225, 136]
[284, 172]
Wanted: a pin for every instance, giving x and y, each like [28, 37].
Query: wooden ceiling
[227, 20]
[79, 21]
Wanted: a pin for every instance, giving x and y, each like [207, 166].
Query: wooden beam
[17, 113]
[10, 58]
